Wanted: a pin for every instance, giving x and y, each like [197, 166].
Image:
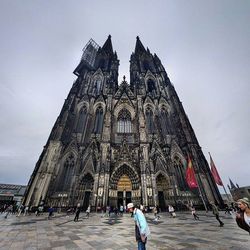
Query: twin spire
[95, 56]
[108, 48]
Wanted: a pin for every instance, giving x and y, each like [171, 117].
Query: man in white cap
[141, 226]
[243, 216]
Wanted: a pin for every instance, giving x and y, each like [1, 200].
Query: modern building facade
[113, 144]
[11, 194]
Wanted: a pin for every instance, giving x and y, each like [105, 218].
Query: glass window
[124, 122]
[150, 121]
[98, 120]
[81, 123]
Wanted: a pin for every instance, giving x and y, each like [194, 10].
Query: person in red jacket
[243, 216]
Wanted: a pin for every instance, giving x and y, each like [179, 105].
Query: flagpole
[204, 203]
[221, 180]
[201, 195]
[198, 185]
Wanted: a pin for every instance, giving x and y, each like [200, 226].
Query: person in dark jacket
[216, 213]
[243, 216]
[78, 210]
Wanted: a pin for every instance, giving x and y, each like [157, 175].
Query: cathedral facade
[114, 144]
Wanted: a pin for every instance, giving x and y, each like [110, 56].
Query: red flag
[190, 176]
[215, 173]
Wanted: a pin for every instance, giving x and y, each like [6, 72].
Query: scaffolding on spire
[89, 52]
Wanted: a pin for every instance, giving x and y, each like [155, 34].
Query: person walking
[88, 212]
[171, 211]
[51, 211]
[78, 210]
[243, 216]
[26, 211]
[8, 210]
[141, 226]
[193, 211]
[227, 210]
[156, 213]
[216, 213]
[121, 210]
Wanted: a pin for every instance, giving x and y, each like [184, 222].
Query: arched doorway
[124, 186]
[124, 191]
[85, 190]
[163, 191]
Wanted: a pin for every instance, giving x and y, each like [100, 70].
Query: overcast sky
[203, 45]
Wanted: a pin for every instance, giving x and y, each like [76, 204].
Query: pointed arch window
[180, 175]
[151, 86]
[97, 86]
[67, 174]
[146, 65]
[81, 123]
[124, 122]
[150, 121]
[165, 122]
[98, 120]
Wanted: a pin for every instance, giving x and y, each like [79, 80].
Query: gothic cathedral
[114, 144]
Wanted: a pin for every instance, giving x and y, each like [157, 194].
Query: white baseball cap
[130, 205]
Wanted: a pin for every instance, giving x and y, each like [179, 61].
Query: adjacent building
[238, 192]
[11, 194]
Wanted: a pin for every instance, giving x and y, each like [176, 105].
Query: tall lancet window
[165, 122]
[150, 121]
[124, 122]
[82, 119]
[151, 86]
[67, 174]
[97, 86]
[98, 120]
[180, 174]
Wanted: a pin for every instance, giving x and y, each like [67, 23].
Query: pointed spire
[232, 184]
[139, 48]
[107, 47]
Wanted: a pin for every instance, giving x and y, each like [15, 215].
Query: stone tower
[113, 144]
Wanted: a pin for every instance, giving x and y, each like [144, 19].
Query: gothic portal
[113, 144]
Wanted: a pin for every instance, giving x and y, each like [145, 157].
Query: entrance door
[86, 200]
[162, 204]
[120, 199]
[128, 197]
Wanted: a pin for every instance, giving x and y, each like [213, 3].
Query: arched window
[98, 120]
[124, 122]
[151, 86]
[67, 174]
[97, 86]
[150, 121]
[180, 174]
[165, 122]
[146, 65]
[81, 123]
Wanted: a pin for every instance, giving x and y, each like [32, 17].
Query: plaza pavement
[61, 232]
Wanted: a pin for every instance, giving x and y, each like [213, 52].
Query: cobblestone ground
[61, 232]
